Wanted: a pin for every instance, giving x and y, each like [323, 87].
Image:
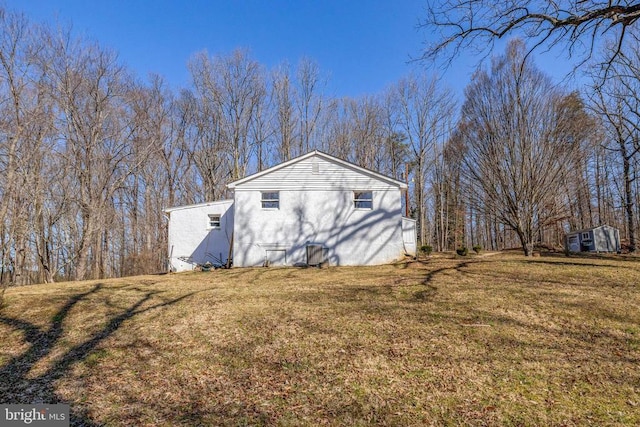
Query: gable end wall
[318, 208]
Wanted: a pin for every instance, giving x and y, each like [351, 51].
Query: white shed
[199, 234]
[317, 208]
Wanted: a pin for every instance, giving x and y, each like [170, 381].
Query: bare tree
[159, 152]
[617, 102]
[425, 113]
[15, 69]
[89, 86]
[449, 204]
[234, 84]
[26, 146]
[517, 145]
[395, 148]
[338, 141]
[282, 94]
[367, 131]
[309, 102]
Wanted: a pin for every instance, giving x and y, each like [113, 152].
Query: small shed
[603, 238]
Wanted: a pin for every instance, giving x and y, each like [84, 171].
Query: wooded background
[91, 154]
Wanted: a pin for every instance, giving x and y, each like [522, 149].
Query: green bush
[426, 249]
[477, 248]
[463, 251]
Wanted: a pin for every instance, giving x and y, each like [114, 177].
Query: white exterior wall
[606, 239]
[192, 242]
[318, 208]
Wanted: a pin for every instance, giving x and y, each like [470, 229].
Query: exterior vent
[315, 167]
[316, 254]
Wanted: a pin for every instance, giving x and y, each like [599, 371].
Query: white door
[574, 243]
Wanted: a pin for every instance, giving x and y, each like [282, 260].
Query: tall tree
[309, 102]
[425, 113]
[15, 75]
[235, 86]
[367, 131]
[89, 86]
[617, 102]
[282, 94]
[517, 146]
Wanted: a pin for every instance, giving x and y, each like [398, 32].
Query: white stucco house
[312, 209]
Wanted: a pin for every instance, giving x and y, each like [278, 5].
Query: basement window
[214, 221]
[363, 199]
[270, 200]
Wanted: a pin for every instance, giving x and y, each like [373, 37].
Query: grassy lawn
[496, 340]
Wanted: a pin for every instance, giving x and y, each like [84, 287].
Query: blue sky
[361, 46]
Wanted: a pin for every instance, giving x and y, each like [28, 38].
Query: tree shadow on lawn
[461, 266]
[430, 282]
[595, 256]
[365, 299]
[365, 295]
[18, 387]
[580, 264]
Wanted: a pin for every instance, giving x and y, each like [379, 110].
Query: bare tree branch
[577, 26]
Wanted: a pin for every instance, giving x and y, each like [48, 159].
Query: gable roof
[199, 205]
[328, 157]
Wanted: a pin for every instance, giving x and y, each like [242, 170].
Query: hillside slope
[499, 340]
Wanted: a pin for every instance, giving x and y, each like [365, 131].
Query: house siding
[192, 242]
[330, 175]
[321, 216]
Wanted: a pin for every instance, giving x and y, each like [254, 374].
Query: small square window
[214, 221]
[270, 200]
[363, 199]
[586, 236]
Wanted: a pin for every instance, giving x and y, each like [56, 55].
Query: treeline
[90, 154]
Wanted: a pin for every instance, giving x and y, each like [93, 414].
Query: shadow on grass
[609, 256]
[18, 387]
[590, 265]
[574, 341]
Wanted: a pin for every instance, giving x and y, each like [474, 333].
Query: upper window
[586, 236]
[270, 200]
[214, 221]
[363, 199]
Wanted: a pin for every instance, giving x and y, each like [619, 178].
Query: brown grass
[495, 340]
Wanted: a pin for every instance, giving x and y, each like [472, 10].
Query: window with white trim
[363, 199]
[214, 220]
[270, 200]
[586, 236]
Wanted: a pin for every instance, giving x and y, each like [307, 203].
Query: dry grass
[499, 340]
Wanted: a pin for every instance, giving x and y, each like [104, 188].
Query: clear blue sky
[362, 46]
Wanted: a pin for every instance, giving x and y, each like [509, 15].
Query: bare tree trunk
[628, 197]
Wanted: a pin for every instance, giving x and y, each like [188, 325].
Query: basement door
[275, 257]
